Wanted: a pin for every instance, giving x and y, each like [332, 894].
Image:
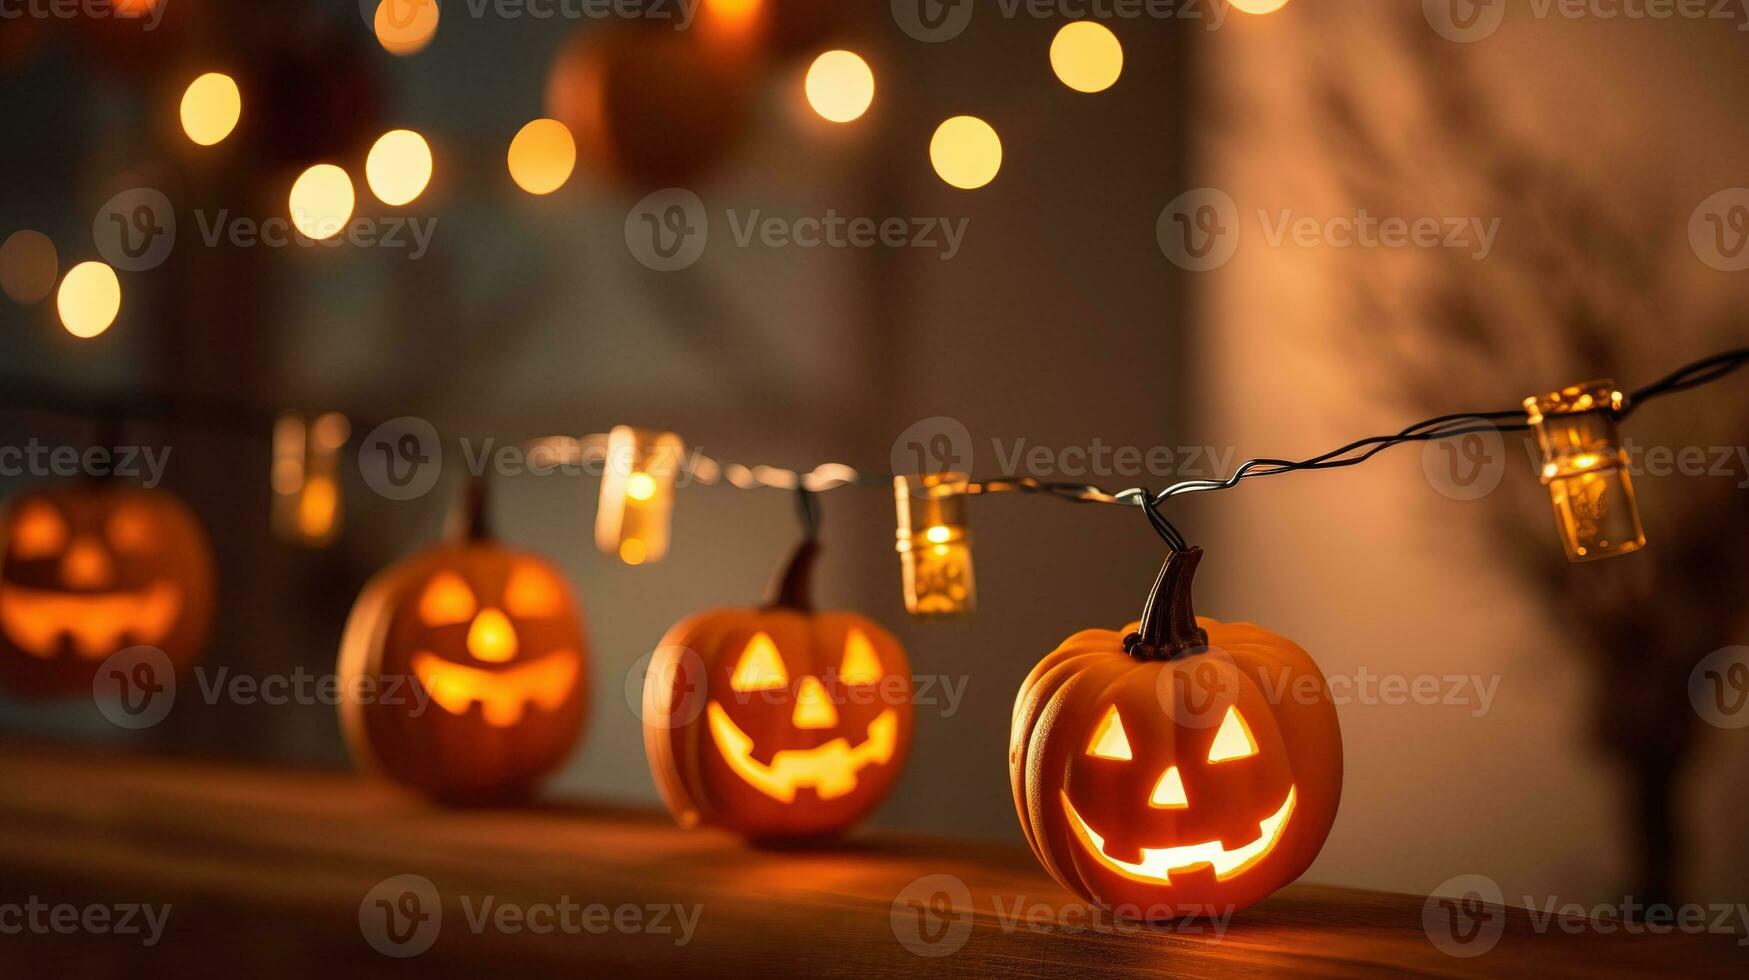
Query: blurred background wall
[1059, 321]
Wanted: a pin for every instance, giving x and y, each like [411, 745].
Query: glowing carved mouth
[503, 694]
[1157, 864]
[36, 619]
[830, 769]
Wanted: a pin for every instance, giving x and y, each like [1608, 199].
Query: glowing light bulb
[89, 300]
[1258, 6]
[211, 106]
[1585, 467]
[399, 167]
[966, 152]
[840, 86]
[405, 27]
[542, 156]
[638, 475]
[321, 201]
[307, 504]
[935, 545]
[1086, 56]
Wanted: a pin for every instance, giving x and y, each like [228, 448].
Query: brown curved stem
[471, 519]
[1169, 626]
[793, 589]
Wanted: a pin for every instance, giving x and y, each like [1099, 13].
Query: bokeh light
[1086, 56]
[399, 167]
[405, 27]
[89, 299]
[321, 201]
[28, 266]
[542, 156]
[840, 86]
[211, 107]
[1258, 6]
[966, 152]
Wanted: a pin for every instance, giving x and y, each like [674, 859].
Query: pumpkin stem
[471, 521]
[1169, 626]
[793, 589]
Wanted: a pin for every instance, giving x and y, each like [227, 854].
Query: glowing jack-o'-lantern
[777, 722]
[91, 569]
[464, 671]
[1183, 767]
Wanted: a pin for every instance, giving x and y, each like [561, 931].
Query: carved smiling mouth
[503, 694]
[830, 770]
[1158, 864]
[35, 620]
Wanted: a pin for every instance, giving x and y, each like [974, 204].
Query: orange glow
[28, 267]
[39, 532]
[542, 156]
[966, 152]
[633, 552]
[861, 664]
[87, 566]
[1087, 56]
[641, 486]
[503, 695]
[633, 515]
[399, 167]
[318, 507]
[814, 708]
[840, 86]
[492, 638]
[1234, 740]
[1169, 792]
[533, 593]
[321, 202]
[89, 300]
[1157, 864]
[36, 620]
[830, 770]
[1109, 740]
[1258, 6]
[405, 27]
[760, 667]
[447, 600]
[211, 106]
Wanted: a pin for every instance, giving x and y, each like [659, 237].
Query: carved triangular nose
[1169, 791]
[87, 566]
[491, 638]
[813, 706]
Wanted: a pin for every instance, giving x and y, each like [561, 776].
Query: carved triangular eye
[447, 600]
[533, 593]
[39, 532]
[1234, 740]
[1109, 740]
[861, 664]
[760, 668]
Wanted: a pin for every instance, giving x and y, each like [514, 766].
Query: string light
[840, 86]
[637, 493]
[399, 167]
[405, 27]
[89, 300]
[935, 545]
[306, 477]
[542, 156]
[28, 266]
[1585, 468]
[966, 152]
[321, 202]
[210, 108]
[1086, 56]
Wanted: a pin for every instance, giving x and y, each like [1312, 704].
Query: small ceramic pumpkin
[90, 569]
[464, 670]
[778, 722]
[1181, 767]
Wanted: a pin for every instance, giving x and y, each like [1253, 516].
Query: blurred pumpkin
[93, 568]
[777, 722]
[646, 104]
[465, 669]
[1182, 767]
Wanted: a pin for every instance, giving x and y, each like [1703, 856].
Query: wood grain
[266, 871]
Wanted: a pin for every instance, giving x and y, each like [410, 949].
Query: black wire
[808, 509]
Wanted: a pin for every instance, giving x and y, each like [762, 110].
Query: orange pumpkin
[1181, 767]
[465, 671]
[90, 569]
[777, 722]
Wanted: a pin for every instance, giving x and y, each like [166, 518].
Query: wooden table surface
[272, 872]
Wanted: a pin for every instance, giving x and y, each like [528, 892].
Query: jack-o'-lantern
[779, 722]
[464, 670]
[1181, 767]
[93, 568]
